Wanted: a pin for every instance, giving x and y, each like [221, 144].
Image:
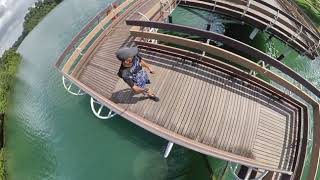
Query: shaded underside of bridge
[205, 104]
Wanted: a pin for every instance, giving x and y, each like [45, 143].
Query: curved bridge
[207, 105]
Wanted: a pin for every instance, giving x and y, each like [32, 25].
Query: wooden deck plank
[170, 97]
[216, 116]
[242, 120]
[180, 94]
[190, 104]
[201, 118]
[181, 85]
[221, 117]
[186, 100]
[214, 98]
[182, 101]
[224, 128]
[231, 131]
[198, 99]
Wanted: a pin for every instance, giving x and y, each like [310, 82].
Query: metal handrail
[231, 43]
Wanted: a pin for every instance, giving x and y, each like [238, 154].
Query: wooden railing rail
[227, 55]
[216, 51]
[303, 122]
[231, 43]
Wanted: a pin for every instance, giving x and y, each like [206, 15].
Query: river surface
[53, 135]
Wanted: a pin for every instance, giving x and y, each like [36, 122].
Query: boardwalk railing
[303, 16]
[73, 54]
[253, 52]
[266, 17]
[229, 69]
[234, 58]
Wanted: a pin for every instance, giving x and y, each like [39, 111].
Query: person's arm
[144, 64]
[137, 89]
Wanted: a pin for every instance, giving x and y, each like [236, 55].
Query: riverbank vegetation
[8, 68]
[312, 9]
[34, 16]
[9, 63]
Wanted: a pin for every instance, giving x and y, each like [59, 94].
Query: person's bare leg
[150, 92]
[151, 95]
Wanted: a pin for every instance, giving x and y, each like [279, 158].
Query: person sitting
[132, 72]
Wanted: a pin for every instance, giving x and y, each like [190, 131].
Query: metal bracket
[168, 149]
[246, 9]
[214, 6]
[295, 36]
[68, 87]
[98, 113]
[150, 29]
[271, 23]
[247, 177]
[112, 9]
[263, 64]
[316, 46]
[80, 51]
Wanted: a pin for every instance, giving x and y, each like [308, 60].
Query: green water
[51, 134]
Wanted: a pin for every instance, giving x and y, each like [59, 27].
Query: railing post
[254, 33]
[168, 149]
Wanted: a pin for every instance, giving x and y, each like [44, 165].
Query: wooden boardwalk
[213, 108]
[199, 103]
[201, 107]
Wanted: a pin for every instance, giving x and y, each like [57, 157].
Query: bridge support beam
[97, 113]
[234, 169]
[248, 174]
[254, 33]
[71, 88]
[168, 149]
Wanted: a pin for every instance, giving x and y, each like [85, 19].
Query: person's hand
[152, 72]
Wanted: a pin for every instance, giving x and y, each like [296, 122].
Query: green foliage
[11, 59]
[8, 67]
[2, 167]
[34, 16]
[312, 9]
